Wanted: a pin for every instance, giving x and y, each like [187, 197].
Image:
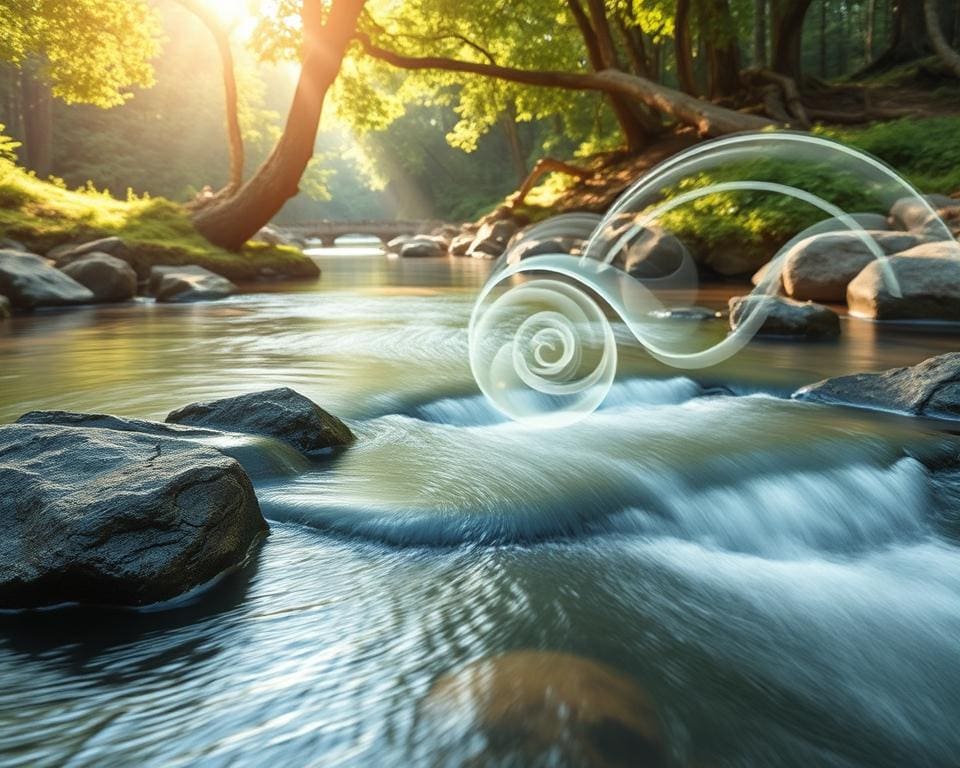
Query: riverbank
[42, 216]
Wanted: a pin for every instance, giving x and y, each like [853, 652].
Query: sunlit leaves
[90, 51]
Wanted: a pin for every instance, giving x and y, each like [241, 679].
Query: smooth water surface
[782, 579]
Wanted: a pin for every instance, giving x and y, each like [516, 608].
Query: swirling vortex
[568, 395]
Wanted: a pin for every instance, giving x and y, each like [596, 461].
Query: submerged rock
[931, 389]
[820, 267]
[97, 516]
[189, 283]
[787, 317]
[541, 708]
[109, 278]
[929, 288]
[30, 282]
[280, 413]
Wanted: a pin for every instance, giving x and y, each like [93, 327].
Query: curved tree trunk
[788, 37]
[940, 45]
[231, 222]
[234, 135]
[708, 118]
[908, 38]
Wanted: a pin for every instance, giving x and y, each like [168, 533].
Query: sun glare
[232, 12]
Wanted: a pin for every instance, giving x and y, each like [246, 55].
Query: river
[777, 576]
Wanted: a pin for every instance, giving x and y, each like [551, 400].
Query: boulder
[492, 238]
[912, 214]
[930, 389]
[279, 413]
[259, 456]
[929, 287]
[787, 317]
[651, 254]
[30, 282]
[397, 243]
[820, 267]
[461, 243]
[527, 248]
[8, 244]
[96, 516]
[424, 246]
[109, 278]
[67, 254]
[5, 308]
[541, 708]
[189, 283]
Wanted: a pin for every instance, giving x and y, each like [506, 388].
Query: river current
[781, 578]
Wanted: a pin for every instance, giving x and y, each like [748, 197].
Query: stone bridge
[328, 231]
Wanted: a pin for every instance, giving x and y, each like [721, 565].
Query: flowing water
[782, 579]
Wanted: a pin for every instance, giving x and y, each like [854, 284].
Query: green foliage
[8, 147]
[90, 51]
[925, 151]
[43, 215]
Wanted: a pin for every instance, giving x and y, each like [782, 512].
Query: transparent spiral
[541, 345]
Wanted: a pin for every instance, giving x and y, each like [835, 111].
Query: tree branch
[709, 119]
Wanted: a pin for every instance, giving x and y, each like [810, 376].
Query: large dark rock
[97, 516]
[30, 282]
[109, 278]
[189, 283]
[931, 389]
[929, 288]
[820, 267]
[67, 254]
[785, 317]
[541, 708]
[280, 413]
[461, 243]
[259, 455]
[424, 246]
[652, 254]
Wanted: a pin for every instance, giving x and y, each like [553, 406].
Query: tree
[947, 55]
[85, 51]
[230, 219]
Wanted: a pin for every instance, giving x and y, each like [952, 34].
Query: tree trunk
[823, 38]
[947, 55]
[760, 34]
[231, 222]
[37, 105]
[509, 122]
[684, 48]
[908, 37]
[788, 38]
[601, 55]
[234, 135]
[871, 23]
[723, 53]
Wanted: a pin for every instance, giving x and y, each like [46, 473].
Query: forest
[439, 109]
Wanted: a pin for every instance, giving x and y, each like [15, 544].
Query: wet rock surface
[100, 516]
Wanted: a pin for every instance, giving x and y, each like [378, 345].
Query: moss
[45, 214]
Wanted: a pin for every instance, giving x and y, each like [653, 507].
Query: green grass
[44, 214]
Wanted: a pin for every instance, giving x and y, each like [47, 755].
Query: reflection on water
[776, 576]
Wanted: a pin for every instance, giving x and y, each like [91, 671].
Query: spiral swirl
[543, 351]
